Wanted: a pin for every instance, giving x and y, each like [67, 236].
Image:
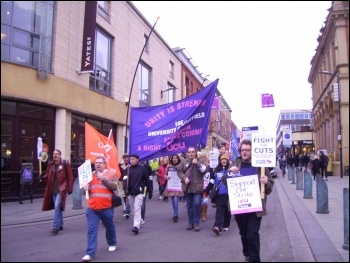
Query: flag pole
[132, 84]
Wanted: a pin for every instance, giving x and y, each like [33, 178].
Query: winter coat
[194, 172]
[64, 180]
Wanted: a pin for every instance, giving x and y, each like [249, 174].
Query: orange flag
[97, 144]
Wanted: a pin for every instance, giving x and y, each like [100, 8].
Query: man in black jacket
[148, 191]
[136, 179]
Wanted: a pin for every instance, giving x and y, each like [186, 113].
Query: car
[273, 172]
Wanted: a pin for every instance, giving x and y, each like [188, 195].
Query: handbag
[116, 200]
[214, 192]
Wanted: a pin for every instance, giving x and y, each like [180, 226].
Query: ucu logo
[176, 146]
[242, 201]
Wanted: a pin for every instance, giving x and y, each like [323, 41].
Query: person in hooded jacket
[223, 213]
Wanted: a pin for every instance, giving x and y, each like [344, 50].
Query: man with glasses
[249, 223]
[59, 179]
[191, 172]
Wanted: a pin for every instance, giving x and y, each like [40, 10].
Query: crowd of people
[186, 177]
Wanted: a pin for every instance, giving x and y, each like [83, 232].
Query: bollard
[321, 195]
[77, 203]
[290, 172]
[299, 175]
[346, 218]
[294, 172]
[307, 185]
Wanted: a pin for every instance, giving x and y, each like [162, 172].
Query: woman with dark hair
[171, 174]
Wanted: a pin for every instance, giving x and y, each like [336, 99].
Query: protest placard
[85, 175]
[244, 192]
[174, 182]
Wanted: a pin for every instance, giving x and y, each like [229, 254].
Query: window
[20, 32]
[103, 9]
[144, 85]
[170, 93]
[100, 79]
[171, 69]
[145, 38]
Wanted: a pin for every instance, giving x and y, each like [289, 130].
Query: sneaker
[86, 258]
[216, 231]
[196, 228]
[190, 227]
[175, 218]
[135, 230]
[225, 229]
[112, 248]
[126, 216]
[160, 198]
[61, 228]
[143, 221]
[54, 231]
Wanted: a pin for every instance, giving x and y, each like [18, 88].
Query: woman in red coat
[59, 178]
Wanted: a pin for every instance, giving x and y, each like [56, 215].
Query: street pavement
[291, 232]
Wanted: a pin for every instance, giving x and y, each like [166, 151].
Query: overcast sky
[251, 47]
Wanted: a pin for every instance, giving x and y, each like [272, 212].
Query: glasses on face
[246, 150]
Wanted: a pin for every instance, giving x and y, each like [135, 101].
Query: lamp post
[337, 97]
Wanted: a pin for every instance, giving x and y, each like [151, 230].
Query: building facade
[67, 63]
[329, 77]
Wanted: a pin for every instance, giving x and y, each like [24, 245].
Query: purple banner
[267, 100]
[215, 104]
[234, 145]
[171, 128]
[88, 51]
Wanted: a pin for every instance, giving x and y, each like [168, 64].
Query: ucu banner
[171, 128]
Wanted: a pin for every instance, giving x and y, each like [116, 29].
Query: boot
[204, 213]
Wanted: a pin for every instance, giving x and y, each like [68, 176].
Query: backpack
[27, 175]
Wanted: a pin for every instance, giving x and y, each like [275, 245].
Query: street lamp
[337, 97]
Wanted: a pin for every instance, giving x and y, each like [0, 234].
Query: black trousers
[30, 188]
[222, 214]
[249, 226]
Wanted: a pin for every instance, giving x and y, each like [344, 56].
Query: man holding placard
[100, 190]
[244, 194]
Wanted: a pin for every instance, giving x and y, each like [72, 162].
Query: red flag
[97, 144]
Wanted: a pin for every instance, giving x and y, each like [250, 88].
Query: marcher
[191, 172]
[206, 179]
[28, 184]
[148, 191]
[222, 151]
[323, 165]
[123, 165]
[174, 161]
[316, 165]
[223, 213]
[163, 164]
[249, 223]
[183, 157]
[100, 207]
[136, 181]
[283, 164]
[305, 160]
[59, 179]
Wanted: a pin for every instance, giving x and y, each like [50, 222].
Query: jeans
[93, 219]
[58, 217]
[193, 204]
[161, 189]
[175, 202]
[143, 208]
[249, 226]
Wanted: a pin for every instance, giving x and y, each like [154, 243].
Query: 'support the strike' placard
[174, 183]
[244, 194]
